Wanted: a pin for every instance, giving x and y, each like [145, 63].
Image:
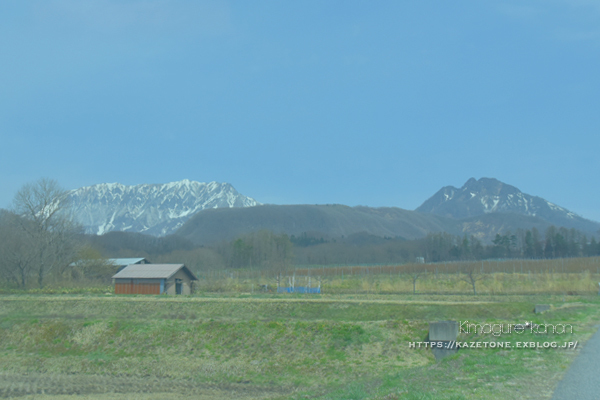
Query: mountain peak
[489, 195]
[470, 182]
[478, 197]
[488, 186]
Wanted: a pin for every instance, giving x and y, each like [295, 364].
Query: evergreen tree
[529, 251]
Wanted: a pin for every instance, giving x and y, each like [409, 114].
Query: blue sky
[352, 102]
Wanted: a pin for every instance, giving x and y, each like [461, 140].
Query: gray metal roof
[117, 262]
[125, 261]
[152, 271]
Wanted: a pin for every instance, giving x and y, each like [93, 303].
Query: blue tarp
[298, 289]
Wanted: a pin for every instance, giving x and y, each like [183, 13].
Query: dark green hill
[330, 221]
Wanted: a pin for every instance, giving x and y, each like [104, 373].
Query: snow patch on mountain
[156, 209]
[488, 195]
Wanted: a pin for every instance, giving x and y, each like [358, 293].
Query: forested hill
[329, 221]
[335, 221]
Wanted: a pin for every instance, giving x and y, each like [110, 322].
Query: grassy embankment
[275, 346]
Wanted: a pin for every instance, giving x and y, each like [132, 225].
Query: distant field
[274, 346]
[493, 277]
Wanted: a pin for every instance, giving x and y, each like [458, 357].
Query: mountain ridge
[206, 213]
[156, 209]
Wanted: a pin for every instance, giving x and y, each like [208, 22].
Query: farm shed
[154, 279]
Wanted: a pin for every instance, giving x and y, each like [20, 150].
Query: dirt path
[239, 300]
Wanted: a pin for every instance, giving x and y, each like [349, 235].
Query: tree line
[363, 248]
[555, 243]
[267, 250]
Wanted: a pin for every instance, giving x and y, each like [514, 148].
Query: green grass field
[275, 346]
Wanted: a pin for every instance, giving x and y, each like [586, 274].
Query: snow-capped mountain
[488, 195]
[155, 209]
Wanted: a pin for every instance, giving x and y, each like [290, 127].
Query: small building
[154, 279]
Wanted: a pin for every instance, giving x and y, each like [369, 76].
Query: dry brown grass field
[515, 277]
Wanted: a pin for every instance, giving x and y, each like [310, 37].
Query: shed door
[147, 287]
[124, 287]
[133, 287]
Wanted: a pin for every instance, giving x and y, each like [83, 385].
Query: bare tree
[415, 273]
[17, 260]
[471, 274]
[47, 230]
